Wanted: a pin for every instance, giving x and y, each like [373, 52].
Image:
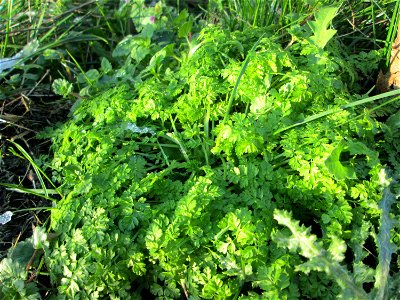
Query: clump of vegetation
[192, 151]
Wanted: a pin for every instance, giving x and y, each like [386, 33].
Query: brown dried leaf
[391, 79]
[382, 82]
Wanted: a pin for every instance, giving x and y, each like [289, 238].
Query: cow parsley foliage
[185, 174]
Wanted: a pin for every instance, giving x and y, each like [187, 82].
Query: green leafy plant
[172, 181]
[189, 145]
[14, 270]
[321, 34]
[329, 260]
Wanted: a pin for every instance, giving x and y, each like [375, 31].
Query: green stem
[242, 71]
[8, 26]
[206, 149]
[177, 141]
[163, 153]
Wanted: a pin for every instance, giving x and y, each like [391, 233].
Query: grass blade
[35, 192]
[39, 172]
[242, 71]
[343, 107]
